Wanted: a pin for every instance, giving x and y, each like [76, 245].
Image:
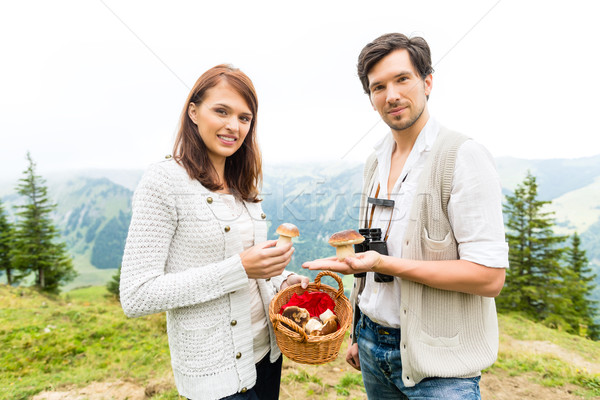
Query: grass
[82, 336]
[519, 327]
[348, 381]
[547, 369]
[301, 377]
[328, 381]
[74, 339]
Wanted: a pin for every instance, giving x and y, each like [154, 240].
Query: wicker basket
[296, 344]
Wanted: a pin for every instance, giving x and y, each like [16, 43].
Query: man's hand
[352, 356]
[363, 262]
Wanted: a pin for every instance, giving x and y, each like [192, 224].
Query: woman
[197, 248]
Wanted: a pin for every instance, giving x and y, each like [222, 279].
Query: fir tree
[6, 237]
[582, 284]
[534, 282]
[36, 247]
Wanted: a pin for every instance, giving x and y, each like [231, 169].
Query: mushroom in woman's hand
[286, 232]
[344, 242]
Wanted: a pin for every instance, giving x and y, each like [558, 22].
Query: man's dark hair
[372, 53]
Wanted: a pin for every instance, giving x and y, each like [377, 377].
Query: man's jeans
[381, 366]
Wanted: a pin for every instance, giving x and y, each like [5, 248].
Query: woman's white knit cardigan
[182, 257]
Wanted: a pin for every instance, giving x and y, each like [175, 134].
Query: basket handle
[335, 276]
[278, 318]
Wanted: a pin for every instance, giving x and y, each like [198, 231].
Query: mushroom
[316, 327]
[313, 326]
[343, 242]
[286, 232]
[297, 314]
[326, 315]
[329, 326]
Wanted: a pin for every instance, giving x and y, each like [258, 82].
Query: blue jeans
[381, 367]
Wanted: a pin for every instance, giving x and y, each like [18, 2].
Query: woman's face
[223, 119]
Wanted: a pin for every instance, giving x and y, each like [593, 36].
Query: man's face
[398, 93]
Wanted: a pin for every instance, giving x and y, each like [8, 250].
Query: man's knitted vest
[443, 333]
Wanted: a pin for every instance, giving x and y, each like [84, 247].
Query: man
[430, 331]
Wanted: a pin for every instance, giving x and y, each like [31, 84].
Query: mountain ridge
[94, 206]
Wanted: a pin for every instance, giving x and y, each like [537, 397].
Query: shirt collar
[423, 143]
[384, 145]
[427, 136]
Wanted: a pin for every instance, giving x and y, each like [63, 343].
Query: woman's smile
[223, 119]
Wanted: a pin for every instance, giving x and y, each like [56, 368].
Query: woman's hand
[362, 262]
[264, 260]
[294, 279]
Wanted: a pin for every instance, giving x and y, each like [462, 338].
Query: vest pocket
[434, 244]
[439, 317]
[439, 341]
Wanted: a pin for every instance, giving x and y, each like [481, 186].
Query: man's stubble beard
[406, 124]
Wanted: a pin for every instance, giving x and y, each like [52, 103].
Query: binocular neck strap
[387, 231]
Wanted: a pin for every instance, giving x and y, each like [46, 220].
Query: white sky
[101, 83]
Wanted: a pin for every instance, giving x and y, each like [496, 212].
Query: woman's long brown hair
[243, 169]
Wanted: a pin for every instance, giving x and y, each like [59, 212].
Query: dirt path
[493, 387]
[117, 390]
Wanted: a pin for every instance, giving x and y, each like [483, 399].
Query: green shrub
[113, 285]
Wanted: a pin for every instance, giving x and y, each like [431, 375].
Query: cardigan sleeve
[278, 280]
[145, 286]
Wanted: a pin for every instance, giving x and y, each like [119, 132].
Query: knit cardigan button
[263, 215]
[244, 390]
[227, 228]
[209, 200]
[238, 355]
[233, 323]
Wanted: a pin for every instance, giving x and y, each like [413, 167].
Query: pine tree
[534, 281]
[36, 247]
[581, 286]
[6, 237]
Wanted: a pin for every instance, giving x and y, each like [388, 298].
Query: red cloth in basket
[316, 303]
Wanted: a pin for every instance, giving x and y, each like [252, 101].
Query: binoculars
[373, 242]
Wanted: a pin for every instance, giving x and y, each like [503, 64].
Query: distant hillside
[555, 177]
[95, 206]
[319, 199]
[94, 215]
